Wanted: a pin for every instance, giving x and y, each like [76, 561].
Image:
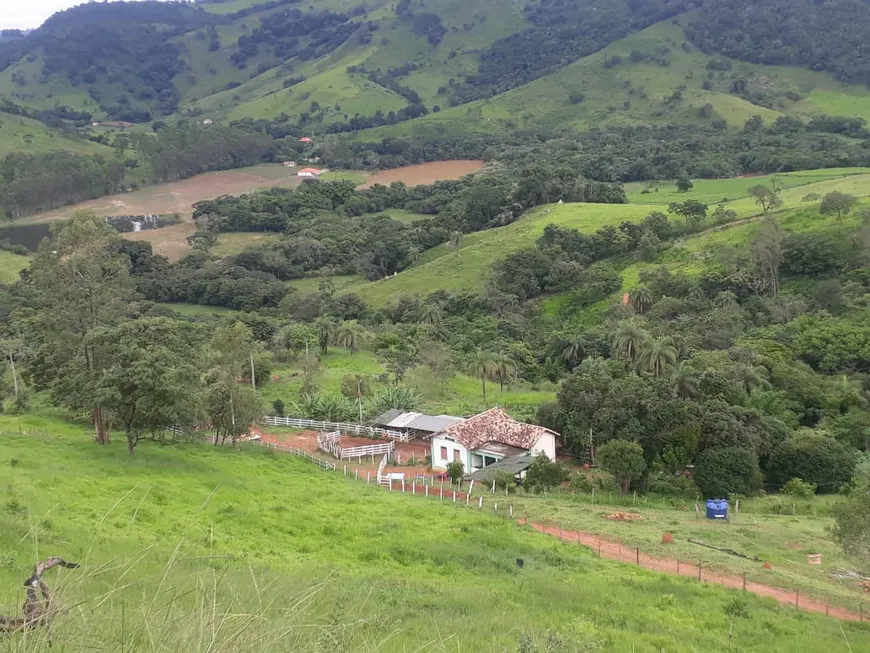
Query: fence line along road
[356, 429]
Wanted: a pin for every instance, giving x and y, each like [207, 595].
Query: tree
[629, 338]
[504, 369]
[79, 281]
[765, 197]
[836, 202]
[431, 314]
[693, 211]
[437, 358]
[624, 460]
[815, 458]
[544, 474]
[148, 377]
[721, 472]
[684, 184]
[232, 407]
[657, 356]
[349, 336]
[852, 519]
[766, 251]
[325, 330]
[482, 366]
[641, 299]
[456, 239]
[684, 380]
[398, 359]
[573, 351]
[455, 470]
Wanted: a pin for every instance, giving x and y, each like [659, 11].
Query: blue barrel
[717, 509]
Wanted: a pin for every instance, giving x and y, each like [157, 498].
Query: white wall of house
[445, 451]
[546, 444]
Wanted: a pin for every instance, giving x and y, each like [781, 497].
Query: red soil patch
[424, 173]
[667, 538]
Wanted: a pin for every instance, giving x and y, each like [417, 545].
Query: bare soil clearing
[425, 173]
[180, 196]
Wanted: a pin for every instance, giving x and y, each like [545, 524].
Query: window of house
[443, 453]
[456, 455]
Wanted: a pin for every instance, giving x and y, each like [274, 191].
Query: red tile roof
[495, 425]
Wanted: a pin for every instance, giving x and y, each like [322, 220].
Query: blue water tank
[717, 509]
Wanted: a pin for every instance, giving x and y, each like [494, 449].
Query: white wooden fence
[356, 429]
[331, 444]
[323, 464]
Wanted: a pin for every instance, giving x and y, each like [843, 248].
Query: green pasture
[197, 548]
[10, 265]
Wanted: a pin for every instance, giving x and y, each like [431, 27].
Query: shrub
[669, 484]
[278, 407]
[504, 480]
[815, 458]
[544, 474]
[721, 472]
[455, 470]
[581, 483]
[799, 488]
[624, 460]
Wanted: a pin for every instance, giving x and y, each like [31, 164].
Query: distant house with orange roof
[310, 173]
[306, 139]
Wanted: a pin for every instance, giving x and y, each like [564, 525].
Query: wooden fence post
[496, 507]
[403, 485]
[511, 509]
[699, 570]
[797, 598]
[427, 491]
[414, 487]
[467, 499]
[356, 474]
[678, 566]
[744, 578]
[480, 503]
[369, 477]
[454, 496]
[637, 556]
[345, 470]
[391, 483]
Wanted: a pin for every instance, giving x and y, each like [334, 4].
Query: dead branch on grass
[37, 613]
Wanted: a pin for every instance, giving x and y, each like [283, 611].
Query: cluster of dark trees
[294, 33]
[98, 42]
[30, 183]
[562, 32]
[188, 148]
[423, 23]
[788, 32]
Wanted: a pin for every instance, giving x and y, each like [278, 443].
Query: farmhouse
[309, 172]
[289, 164]
[487, 438]
[305, 139]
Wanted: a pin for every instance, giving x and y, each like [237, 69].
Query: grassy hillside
[203, 549]
[19, 134]
[657, 62]
[10, 265]
[632, 92]
[442, 268]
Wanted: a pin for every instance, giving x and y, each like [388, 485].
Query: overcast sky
[26, 14]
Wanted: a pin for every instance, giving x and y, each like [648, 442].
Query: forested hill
[344, 65]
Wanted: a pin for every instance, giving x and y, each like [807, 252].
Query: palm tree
[431, 314]
[504, 368]
[752, 377]
[349, 336]
[657, 356]
[573, 351]
[482, 366]
[325, 330]
[641, 299]
[724, 299]
[414, 254]
[628, 339]
[684, 380]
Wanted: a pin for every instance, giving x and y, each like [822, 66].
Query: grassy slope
[10, 265]
[194, 548]
[19, 134]
[544, 102]
[440, 268]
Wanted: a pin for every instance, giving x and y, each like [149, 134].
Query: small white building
[487, 438]
[289, 164]
[309, 173]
